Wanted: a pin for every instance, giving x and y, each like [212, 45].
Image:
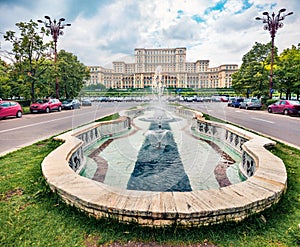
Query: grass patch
[214, 119]
[109, 117]
[31, 215]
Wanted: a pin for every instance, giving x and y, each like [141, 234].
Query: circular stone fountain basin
[264, 187]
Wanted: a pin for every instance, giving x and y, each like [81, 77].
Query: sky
[103, 31]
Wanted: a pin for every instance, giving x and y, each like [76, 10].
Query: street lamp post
[55, 30]
[273, 22]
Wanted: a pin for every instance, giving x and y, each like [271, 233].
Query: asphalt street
[16, 133]
[279, 127]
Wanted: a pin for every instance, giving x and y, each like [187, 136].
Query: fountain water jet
[157, 85]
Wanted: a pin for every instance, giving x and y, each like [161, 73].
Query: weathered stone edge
[232, 203]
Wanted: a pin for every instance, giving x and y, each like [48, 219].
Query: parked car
[70, 104]
[198, 99]
[46, 105]
[250, 103]
[224, 99]
[86, 102]
[189, 99]
[10, 109]
[215, 98]
[236, 102]
[102, 99]
[286, 107]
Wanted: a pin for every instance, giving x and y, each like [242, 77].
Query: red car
[45, 105]
[10, 108]
[286, 107]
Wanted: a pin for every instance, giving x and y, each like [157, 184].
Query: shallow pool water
[159, 153]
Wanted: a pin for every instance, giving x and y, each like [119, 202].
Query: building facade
[174, 71]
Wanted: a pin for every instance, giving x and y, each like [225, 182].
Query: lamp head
[282, 10]
[265, 13]
[47, 17]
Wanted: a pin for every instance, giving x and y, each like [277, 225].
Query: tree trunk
[66, 92]
[288, 94]
[32, 92]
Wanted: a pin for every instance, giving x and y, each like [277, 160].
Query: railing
[95, 132]
[267, 179]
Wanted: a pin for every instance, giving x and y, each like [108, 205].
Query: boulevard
[276, 126]
[17, 133]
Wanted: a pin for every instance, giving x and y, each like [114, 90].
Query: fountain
[156, 137]
[158, 166]
[161, 162]
[157, 85]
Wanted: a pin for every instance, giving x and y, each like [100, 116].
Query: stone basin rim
[203, 207]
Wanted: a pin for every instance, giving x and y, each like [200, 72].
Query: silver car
[250, 103]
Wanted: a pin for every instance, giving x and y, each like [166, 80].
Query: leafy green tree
[252, 77]
[287, 73]
[29, 57]
[72, 74]
[45, 85]
[4, 79]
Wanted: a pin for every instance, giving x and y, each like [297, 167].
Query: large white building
[174, 71]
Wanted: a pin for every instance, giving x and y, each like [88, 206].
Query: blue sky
[103, 31]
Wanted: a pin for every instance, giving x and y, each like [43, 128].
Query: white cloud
[105, 31]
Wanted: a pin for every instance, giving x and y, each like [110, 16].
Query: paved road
[17, 133]
[277, 126]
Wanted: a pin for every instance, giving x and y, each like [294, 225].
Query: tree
[4, 79]
[72, 74]
[252, 77]
[288, 71]
[28, 55]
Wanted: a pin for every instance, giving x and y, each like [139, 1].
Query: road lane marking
[263, 120]
[34, 124]
[44, 122]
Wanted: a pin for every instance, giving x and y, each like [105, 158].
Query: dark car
[189, 99]
[86, 102]
[45, 105]
[10, 109]
[250, 103]
[286, 107]
[70, 104]
[235, 102]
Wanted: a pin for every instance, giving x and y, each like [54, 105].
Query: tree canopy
[287, 72]
[253, 75]
[31, 73]
[72, 74]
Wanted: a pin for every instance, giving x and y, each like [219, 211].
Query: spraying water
[157, 85]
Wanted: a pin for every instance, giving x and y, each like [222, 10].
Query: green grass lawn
[31, 215]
